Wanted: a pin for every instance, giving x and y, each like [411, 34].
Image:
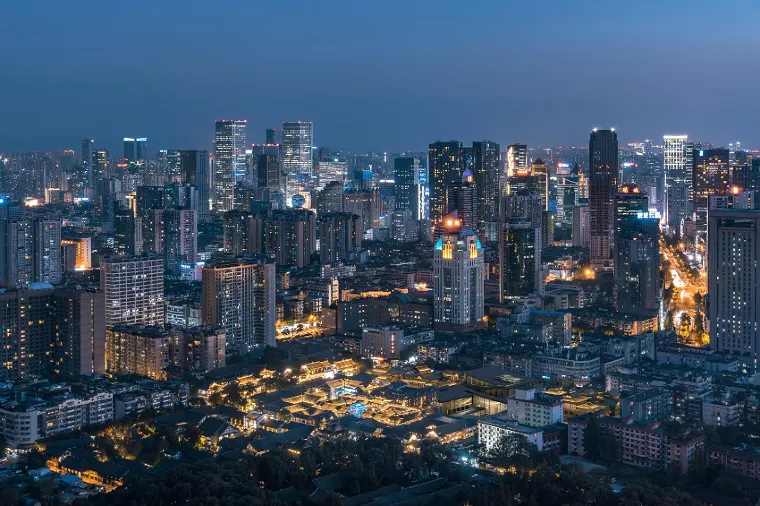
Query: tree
[668, 324]
[592, 438]
[3, 446]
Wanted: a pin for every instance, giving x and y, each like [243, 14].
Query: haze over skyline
[387, 76]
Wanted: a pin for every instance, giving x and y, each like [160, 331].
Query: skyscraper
[485, 171]
[446, 168]
[297, 162]
[239, 297]
[404, 171]
[676, 181]
[30, 251]
[180, 243]
[340, 237]
[517, 159]
[268, 172]
[711, 177]
[87, 148]
[47, 250]
[458, 271]
[637, 264]
[603, 176]
[629, 202]
[195, 169]
[80, 337]
[519, 257]
[229, 159]
[135, 149]
[134, 290]
[734, 283]
[539, 172]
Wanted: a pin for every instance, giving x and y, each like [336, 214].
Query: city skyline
[354, 96]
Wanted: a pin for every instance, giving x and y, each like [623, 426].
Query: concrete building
[137, 349]
[534, 409]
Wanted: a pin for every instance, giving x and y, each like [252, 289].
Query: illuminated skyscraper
[733, 284]
[446, 167]
[134, 290]
[676, 181]
[603, 176]
[485, 171]
[268, 172]
[87, 147]
[629, 202]
[195, 169]
[517, 159]
[539, 171]
[180, 243]
[458, 271]
[229, 162]
[297, 162]
[135, 149]
[519, 257]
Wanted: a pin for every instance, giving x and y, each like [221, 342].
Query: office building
[229, 161]
[637, 265]
[405, 171]
[365, 203]
[332, 170]
[534, 409]
[539, 173]
[128, 233]
[603, 177]
[630, 202]
[340, 238]
[297, 161]
[239, 297]
[517, 159]
[733, 283]
[134, 290]
[268, 172]
[519, 258]
[100, 162]
[446, 168]
[135, 149]
[677, 181]
[330, 199]
[485, 170]
[458, 272]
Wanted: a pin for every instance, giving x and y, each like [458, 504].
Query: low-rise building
[534, 409]
[492, 430]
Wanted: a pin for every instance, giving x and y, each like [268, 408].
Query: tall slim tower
[446, 166]
[229, 147]
[297, 162]
[734, 283]
[676, 181]
[637, 264]
[711, 177]
[485, 171]
[458, 270]
[517, 159]
[603, 176]
[87, 147]
[405, 170]
[239, 297]
[195, 169]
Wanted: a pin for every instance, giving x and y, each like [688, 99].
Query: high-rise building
[128, 233]
[733, 284]
[446, 168]
[630, 202]
[581, 226]
[637, 264]
[365, 203]
[297, 161]
[135, 149]
[458, 272]
[88, 145]
[195, 169]
[517, 159]
[603, 176]
[677, 181]
[404, 171]
[79, 347]
[180, 243]
[519, 258]
[198, 348]
[134, 290]
[229, 160]
[268, 172]
[539, 172]
[239, 297]
[340, 237]
[289, 234]
[711, 177]
[47, 250]
[330, 199]
[273, 136]
[30, 251]
[485, 170]
[332, 170]
[137, 349]
[100, 163]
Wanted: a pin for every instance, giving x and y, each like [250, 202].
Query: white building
[568, 363]
[491, 430]
[534, 409]
[134, 290]
[581, 226]
[677, 180]
[458, 272]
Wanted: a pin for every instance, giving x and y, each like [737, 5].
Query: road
[685, 285]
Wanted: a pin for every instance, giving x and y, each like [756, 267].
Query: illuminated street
[685, 286]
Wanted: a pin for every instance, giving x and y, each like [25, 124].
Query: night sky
[378, 75]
